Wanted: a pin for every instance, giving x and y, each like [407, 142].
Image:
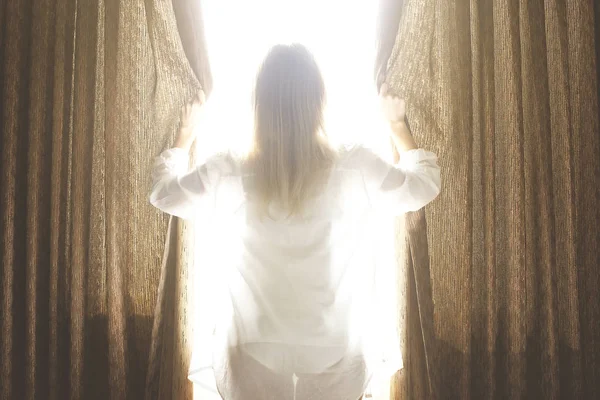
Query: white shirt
[301, 291]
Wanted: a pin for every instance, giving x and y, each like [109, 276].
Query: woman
[300, 296]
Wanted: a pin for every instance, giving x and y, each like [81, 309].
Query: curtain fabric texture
[91, 92]
[502, 287]
[415, 317]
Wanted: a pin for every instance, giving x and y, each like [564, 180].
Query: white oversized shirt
[300, 291]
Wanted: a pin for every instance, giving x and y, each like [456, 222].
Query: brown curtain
[90, 94]
[415, 317]
[503, 280]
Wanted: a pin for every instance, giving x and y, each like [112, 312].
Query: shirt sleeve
[408, 186]
[175, 189]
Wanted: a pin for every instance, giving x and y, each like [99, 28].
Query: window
[341, 35]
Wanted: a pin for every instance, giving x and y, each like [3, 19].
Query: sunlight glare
[341, 35]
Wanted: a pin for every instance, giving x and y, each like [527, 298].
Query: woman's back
[303, 284]
[299, 270]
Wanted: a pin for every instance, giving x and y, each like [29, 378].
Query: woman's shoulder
[354, 155]
[226, 163]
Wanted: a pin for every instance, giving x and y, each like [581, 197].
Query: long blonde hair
[290, 155]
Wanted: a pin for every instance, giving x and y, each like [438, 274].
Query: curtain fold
[91, 92]
[416, 379]
[507, 94]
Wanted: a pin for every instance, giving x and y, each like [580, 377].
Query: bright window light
[341, 35]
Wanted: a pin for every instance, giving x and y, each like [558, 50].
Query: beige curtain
[90, 93]
[503, 281]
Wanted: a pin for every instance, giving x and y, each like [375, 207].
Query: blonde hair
[290, 156]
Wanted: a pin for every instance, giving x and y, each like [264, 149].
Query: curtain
[91, 92]
[502, 280]
[415, 308]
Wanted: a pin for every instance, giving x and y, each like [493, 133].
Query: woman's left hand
[191, 115]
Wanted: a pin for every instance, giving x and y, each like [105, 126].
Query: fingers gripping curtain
[170, 351]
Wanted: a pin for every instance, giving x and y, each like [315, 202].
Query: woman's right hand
[393, 107]
[394, 110]
[191, 116]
